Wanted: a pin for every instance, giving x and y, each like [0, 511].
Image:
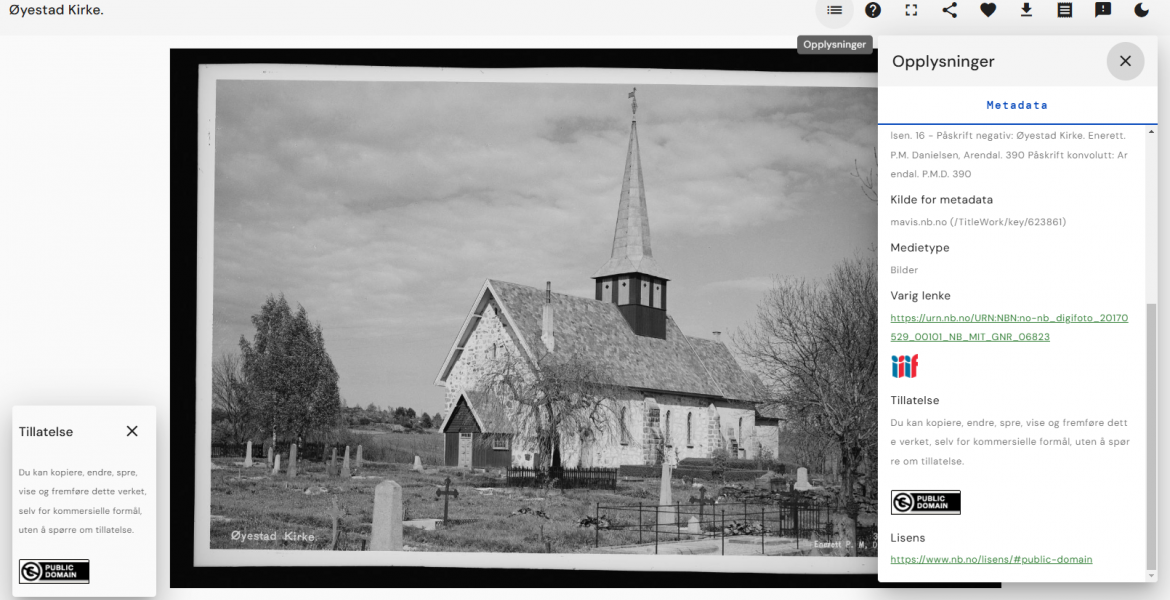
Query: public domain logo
[926, 502]
[905, 366]
[54, 571]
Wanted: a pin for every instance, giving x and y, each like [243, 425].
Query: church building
[688, 397]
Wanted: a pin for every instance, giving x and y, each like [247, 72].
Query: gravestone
[292, 460]
[345, 464]
[268, 455]
[665, 502]
[693, 526]
[417, 463]
[386, 533]
[802, 483]
[359, 456]
[446, 495]
[333, 463]
[248, 457]
[703, 500]
[276, 469]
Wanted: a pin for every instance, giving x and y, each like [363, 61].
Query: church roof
[631, 237]
[597, 330]
[487, 421]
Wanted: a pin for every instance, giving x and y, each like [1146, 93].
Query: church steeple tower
[631, 278]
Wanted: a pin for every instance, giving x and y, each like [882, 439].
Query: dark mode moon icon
[1139, 11]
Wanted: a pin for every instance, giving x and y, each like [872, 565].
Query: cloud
[761, 283]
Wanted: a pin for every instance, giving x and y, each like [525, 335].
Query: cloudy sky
[383, 207]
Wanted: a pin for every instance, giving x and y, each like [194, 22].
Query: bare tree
[551, 401]
[805, 443]
[868, 179]
[816, 343]
[231, 403]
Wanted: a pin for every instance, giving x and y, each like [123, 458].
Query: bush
[732, 464]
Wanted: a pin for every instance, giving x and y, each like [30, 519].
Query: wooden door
[465, 440]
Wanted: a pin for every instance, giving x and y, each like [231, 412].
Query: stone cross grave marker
[701, 500]
[417, 463]
[665, 502]
[345, 464]
[248, 457]
[446, 494]
[292, 460]
[359, 456]
[386, 533]
[335, 515]
[276, 469]
[802, 483]
[694, 526]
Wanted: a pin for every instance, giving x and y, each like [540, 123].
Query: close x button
[1126, 61]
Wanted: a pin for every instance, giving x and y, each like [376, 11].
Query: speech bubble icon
[1103, 8]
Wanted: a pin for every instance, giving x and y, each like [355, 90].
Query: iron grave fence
[802, 520]
[591, 478]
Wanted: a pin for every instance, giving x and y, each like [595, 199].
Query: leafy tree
[552, 401]
[233, 409]
[371, 408]
[410, 414]
[289, 371]
[437, 420]
[816, 343]
[425, 421]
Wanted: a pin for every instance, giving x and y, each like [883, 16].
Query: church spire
[631, 238]
[630, 278]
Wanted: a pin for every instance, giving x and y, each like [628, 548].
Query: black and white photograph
[543, 317]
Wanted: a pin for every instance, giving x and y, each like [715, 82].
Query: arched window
[739, 434]
[689, 429]
[666, 430]
[625, 429]
[494, 346]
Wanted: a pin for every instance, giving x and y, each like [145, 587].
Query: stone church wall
[656, 424]
[489, 339]
[768, 436]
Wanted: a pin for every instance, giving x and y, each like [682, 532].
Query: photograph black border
[184, 88]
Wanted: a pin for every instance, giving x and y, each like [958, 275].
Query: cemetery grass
[252, 501]
[389, 446]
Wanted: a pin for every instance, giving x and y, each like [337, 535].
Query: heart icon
[987, 8]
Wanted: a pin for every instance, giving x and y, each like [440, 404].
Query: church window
[499, 442]
[494, 346]
[625, 430]
[689, 443]
[666, 430]
[740, 435]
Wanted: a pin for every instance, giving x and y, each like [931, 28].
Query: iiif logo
[905, 366]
